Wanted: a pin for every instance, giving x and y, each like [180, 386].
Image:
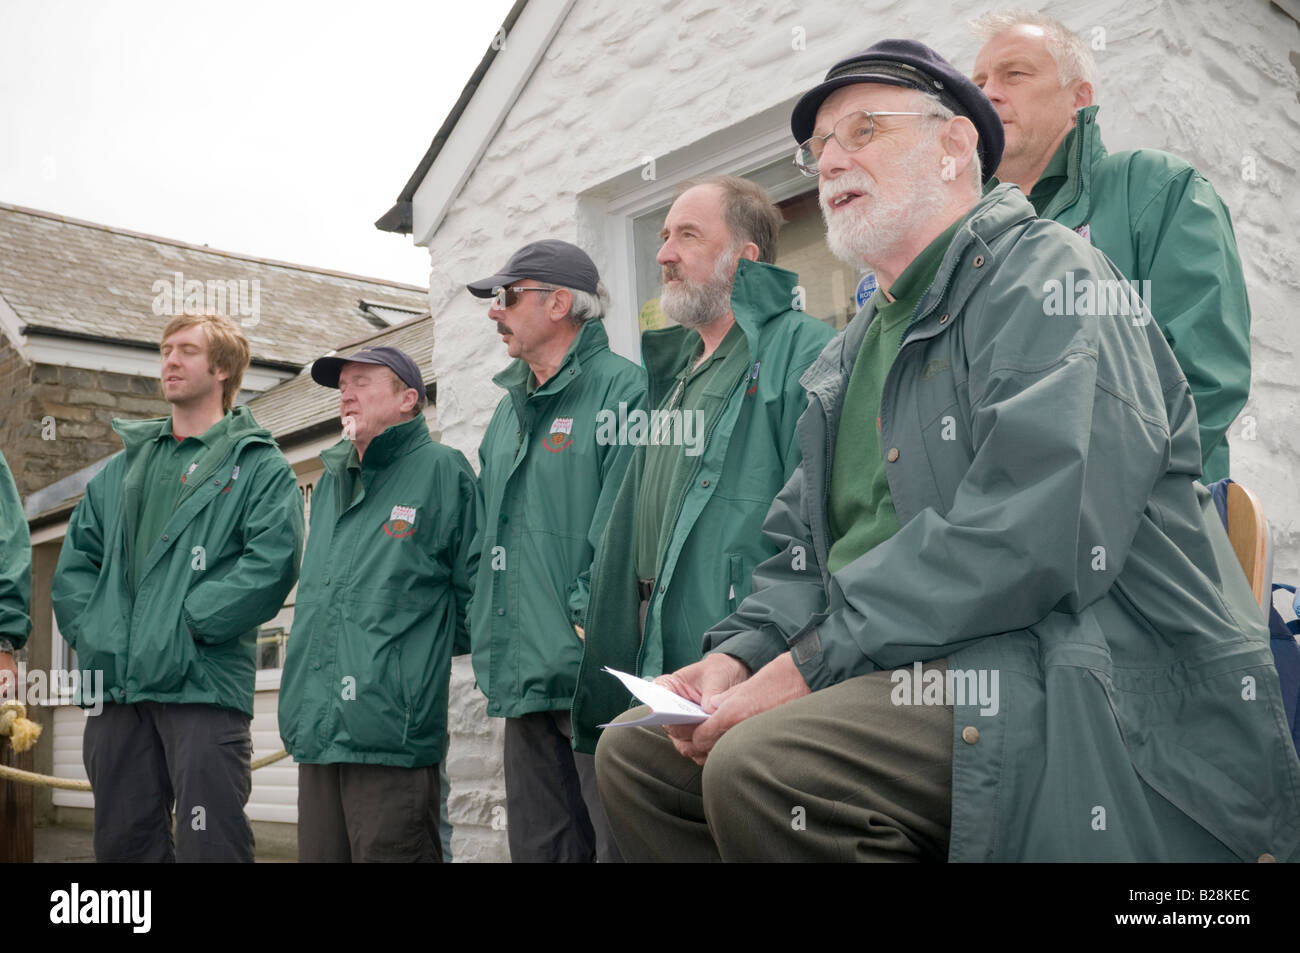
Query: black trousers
[144, 758]
[553, 809]
[369, 813]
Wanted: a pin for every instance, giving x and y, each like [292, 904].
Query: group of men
[946, 586]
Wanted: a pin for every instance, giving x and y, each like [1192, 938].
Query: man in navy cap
[1005, 622]
[548, 481]
[381, 602]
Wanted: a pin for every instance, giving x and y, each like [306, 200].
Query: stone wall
[65, 422]
[1215, 83]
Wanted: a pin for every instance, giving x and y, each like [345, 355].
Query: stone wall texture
[58, 420]
[1213, 82]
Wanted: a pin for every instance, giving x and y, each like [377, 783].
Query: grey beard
[696, 305]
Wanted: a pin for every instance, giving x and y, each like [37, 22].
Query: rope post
[17, 809]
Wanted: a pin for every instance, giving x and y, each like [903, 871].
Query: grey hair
[930, 103]
[586, 306]
[1073, 58]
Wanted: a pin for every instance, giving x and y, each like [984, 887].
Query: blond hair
[227, 349]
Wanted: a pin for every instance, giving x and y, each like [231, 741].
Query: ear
[410, 397]
[959, 142]
[1082, 94]
[561, 302]
[750, 251]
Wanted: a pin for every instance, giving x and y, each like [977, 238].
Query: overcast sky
[276, 128]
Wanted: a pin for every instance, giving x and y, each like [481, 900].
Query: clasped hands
[722, 685]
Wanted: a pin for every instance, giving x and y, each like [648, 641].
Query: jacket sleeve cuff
[826, 654]
[755, 647]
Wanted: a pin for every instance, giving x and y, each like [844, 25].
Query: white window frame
[610, 208]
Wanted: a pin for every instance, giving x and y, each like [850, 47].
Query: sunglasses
[506, 297]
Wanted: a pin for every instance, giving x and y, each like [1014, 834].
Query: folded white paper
[666, 706]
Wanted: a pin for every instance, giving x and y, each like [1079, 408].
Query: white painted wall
[1209, 81]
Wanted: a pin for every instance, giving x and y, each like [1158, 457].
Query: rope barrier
[74, 784]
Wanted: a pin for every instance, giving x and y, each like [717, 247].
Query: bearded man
[1004, 621]
[712, 456]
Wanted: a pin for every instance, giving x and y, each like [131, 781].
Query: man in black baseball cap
[382, 601]
[549, 478]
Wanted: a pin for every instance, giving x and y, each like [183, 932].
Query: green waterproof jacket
[225, 561]
[717, 539]
[382, 598]
[15, 563]
[549, 474]
[1161, 222]
[1053, 540]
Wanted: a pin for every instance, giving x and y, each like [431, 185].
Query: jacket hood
[1084, 150]
[759, 294]
[395, 442]
[136, 432]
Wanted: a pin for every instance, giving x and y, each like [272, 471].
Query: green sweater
[861, 509]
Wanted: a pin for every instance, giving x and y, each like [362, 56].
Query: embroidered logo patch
[401, 522]
[1085, 230]
[234, 475]
[559, 437]
[753, 378]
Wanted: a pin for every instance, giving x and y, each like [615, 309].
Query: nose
[993, 90]
[667, 253]
[495, 312]
[834, 159]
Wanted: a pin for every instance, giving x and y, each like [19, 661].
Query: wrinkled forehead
[1021, 42]
[700, 205]
[862, 96]
[355, 371]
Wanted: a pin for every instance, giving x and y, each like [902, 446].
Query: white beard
[693, 304]
[871, 231]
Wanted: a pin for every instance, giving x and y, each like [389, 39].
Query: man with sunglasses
[1005, 621]
[548, 483]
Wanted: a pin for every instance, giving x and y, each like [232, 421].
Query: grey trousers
[144, 757]
[842, 774]
[369, 813]
[553, 808]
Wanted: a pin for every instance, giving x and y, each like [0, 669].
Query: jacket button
[501, 612]
[979, 261]
[315, 666]
[970, 734]
[704, 483]
[166, 537]
[327, 580]
[944, 319]
[1266, 858]
[892, 455]
[570, 372]
[662, 590]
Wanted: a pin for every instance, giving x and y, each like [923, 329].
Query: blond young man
[184, 544]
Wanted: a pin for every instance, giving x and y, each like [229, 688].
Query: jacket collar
[1073, 200]
[591, 340]
[999, 210]
[760, 294]
[394, 443]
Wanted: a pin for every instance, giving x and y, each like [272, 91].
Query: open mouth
[843, 199]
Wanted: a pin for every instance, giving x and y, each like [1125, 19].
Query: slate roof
[295, 408]
[67, 277]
